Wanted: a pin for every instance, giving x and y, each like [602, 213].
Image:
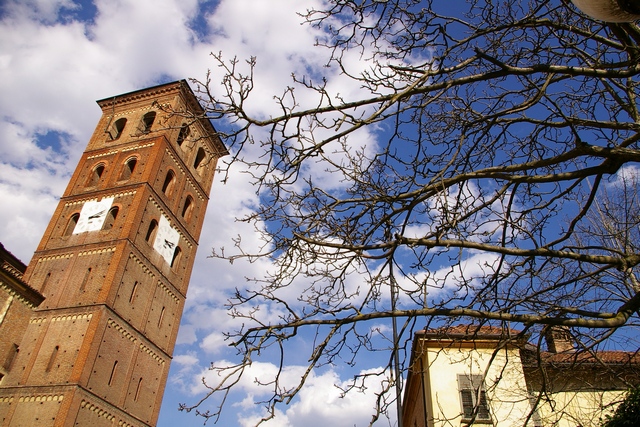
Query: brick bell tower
[114, 266]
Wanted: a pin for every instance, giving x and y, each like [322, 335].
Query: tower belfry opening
[113, 268]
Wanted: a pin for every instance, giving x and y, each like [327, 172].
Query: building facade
[113, 267]
[480, 375]
[17, 302]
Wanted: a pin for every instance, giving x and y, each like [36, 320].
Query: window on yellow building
[473, 398]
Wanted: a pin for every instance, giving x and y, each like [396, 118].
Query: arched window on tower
[147, 122]
[187, 208]
[117, 128]
[71, 225]
[95, 175]
[128, 168]
[111, 218]
[183, 135]
[151, 231]
[199, 158]
[169, 180]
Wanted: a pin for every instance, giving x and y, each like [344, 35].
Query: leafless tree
[491, 129]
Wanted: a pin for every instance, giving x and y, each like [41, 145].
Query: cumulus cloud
[320, 403]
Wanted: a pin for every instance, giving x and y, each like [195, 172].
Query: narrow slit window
[183, 135]
[71, 225]
[161, 318]
[137, 395]
[134, 290]
[199, 158]
[113, 373]
[52, 359]
[85, 280]
[111, 218]
[45, 282]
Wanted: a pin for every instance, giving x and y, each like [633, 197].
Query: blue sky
[57, 57]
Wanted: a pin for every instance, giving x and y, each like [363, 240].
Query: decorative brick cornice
[134, 339]
[99, 411]
[41, 398]
[137, 147]
[54, 257]
[15, 294]
[67, 317]
[155, 356]
[12, 280]
[11, 270]
[138, 95]
[106, 153]
[123, 331]
[142, 265]
[97, 251]
[168, 291]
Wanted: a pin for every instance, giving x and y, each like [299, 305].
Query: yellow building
[482, 375]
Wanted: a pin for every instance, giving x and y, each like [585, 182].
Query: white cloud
[52, 70]
[320, 402]
[45, 11]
